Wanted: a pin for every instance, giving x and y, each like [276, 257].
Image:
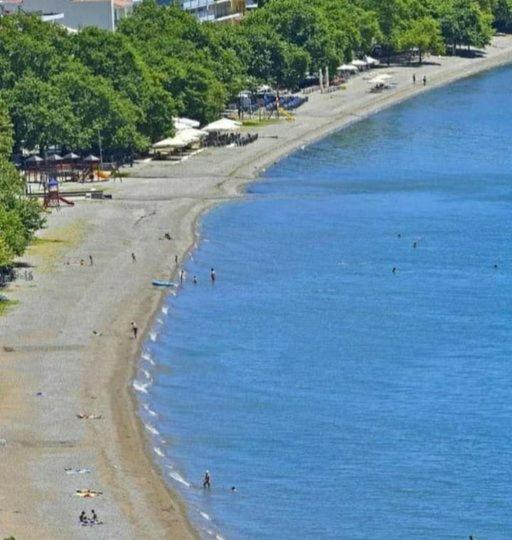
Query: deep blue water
[345, 401]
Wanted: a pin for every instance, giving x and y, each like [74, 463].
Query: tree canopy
[123, 88]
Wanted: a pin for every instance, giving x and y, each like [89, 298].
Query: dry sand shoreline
[56, 353]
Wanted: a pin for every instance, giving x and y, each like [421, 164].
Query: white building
[216, 10]
[74, 14]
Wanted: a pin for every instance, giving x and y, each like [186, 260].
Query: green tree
[464, 23]
[424, 35]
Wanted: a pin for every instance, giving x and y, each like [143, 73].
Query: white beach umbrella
[184, 123]
[91, 159]
[224, 124]
[182, 139]
[347, 67]
[359, 63]
[34, 159]
[371, 61]
[55, 157]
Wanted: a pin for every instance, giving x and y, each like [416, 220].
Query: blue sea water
[345, 401]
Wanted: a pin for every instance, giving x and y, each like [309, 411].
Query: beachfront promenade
[47, 344]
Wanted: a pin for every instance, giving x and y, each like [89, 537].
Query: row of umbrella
[356, 65]
[55, 158]
[186, 134]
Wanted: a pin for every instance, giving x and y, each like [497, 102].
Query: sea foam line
[178, 478]
[141, 387]
[152, 429]
[148, 410]
[147, 357]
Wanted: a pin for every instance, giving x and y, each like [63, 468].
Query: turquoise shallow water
[342, 400]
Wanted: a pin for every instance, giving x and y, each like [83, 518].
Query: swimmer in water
[195, 280]
[212, 275]
[415, 244]
[394, 270]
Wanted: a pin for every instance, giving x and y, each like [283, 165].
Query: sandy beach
[66, 347]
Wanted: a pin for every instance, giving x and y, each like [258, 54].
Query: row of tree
[123, 88]
[19, 216]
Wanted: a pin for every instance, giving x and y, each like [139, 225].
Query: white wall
[76, 14]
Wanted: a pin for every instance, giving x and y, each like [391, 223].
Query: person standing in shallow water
[207, 480]
[135, 330]
[212, 275]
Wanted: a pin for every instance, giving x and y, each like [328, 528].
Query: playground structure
[52, 197]
[70, 168]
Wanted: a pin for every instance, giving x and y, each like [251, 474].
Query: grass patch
[6, 304]
[49, 249]
[256, 122]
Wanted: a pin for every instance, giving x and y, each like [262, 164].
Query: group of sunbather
[93, 520]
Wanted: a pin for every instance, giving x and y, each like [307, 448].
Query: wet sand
[47, 343]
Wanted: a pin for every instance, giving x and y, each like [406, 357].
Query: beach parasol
[359, 63]
[91, 159]
[347, 67]
[54, 158]
[71, 156]
[34, 159]
[183, 138]
[184, 123]
[224, 124]
[371, 61]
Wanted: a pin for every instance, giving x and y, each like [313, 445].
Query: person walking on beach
[212, 275]
[176, 260]
[90, 260]
[182, 276]
[134, 259]
[414, 78]
[207, 480]
[424, 80]
[135, 330]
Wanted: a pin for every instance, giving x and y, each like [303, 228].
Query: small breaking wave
[158, 452]
[147, 357]
[152, 429]
[141, 387]
[145, 406]
[165, 310]
[178, 478]
[205, 516]
[152, 336]
[147, 374]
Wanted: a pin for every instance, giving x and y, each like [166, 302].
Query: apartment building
[74, 14]
[216, 10]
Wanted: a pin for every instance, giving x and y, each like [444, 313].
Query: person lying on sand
[71, 470]
[85, 416]
[87, 493]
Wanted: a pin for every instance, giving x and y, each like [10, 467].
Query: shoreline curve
[77, 371]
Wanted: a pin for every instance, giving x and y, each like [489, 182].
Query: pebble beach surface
[66, 347]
